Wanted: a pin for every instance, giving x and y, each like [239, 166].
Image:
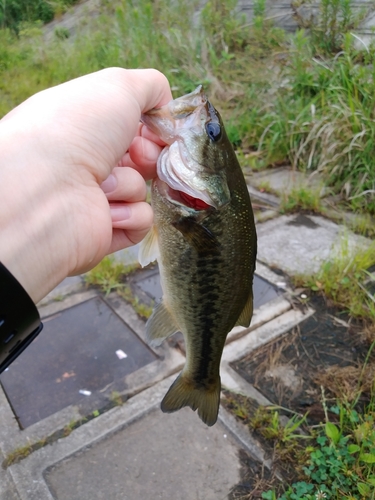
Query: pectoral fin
[247, 312]
[160, 325]
[149, 249]
[197, 235]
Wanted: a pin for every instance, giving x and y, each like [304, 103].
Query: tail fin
[184, 393]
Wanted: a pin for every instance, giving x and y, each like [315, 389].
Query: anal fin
[160, 325]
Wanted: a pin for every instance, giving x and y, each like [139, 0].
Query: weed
[335, 18]
[62, 33]
[22, 452]
[14, 12]
[301, 198]
[278, 98]
[341, 463]
[143, 310]
[364, 225]
[285, 435]
[341, 279]
[344, 383]
[265, 187]
[116, 398]
[69, 428]
[109, 274]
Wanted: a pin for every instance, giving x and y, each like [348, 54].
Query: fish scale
[206, 256]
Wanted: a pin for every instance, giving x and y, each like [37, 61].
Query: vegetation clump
[303, 99]
[346, 280]
[15, 12]
[111, 275]
[332, 461]
[301, 198]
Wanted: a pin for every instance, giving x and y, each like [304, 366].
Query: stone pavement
[79, 409]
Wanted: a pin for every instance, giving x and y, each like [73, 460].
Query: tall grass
[290, 99]
[15, 12]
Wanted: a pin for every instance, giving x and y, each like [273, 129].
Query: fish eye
[213, 130]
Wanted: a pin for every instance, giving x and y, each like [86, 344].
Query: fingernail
[120, 212]
[110, 184]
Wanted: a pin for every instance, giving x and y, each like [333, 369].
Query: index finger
[149, 87]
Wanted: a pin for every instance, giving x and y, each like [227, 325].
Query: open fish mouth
[188, 163]
[188, 201]
[178, 197]
[180, 172]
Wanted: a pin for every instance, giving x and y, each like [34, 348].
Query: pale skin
[73, 165]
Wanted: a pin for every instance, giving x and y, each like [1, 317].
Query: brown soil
[322, 357]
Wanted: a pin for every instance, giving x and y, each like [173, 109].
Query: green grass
[287, 98]
[301, 198]
[342, 279]
[339, 463]
[109, 274]
[13, 13]
[332, 461]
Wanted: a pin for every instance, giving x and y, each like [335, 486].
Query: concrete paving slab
[119, 451]
[160, 457]
[128, 256]
[168, 361]
[69, 285]
[81, 350]
[148, 282]
[261, 197]
[299, 244]
[115, 455]
[8, 490]
[284, 180]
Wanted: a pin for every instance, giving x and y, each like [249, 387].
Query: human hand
[73, 160]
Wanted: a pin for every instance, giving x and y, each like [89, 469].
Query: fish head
[194, 162]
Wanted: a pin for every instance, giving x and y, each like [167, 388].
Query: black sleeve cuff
[19, 319]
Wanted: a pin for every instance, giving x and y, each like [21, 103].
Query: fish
[204, 240]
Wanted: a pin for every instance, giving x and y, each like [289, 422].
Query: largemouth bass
[205, 242]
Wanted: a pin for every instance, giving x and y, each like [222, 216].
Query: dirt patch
[326, 352]
[74, 20]
[255, 478]
[283, 454]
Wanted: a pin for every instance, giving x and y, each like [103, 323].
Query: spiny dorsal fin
[247, 312]
[160, 325]
[149, 249]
